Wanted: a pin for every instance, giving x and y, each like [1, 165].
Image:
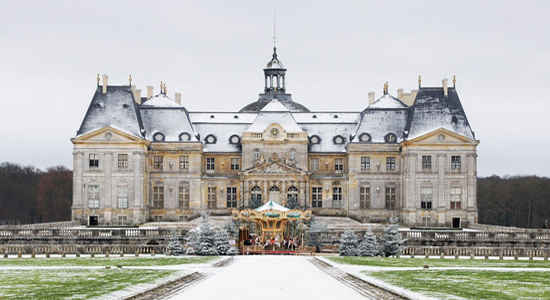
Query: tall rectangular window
[183, 195]
[157, 162]
[339, 165]
[364, 197]
[456, 163]
[317, 196]
[158, 196]
[93, 161]
[426, 196]
[123, 161]
[365, 163]
[314, 164]
[210, 164]
[122, 196]
[235, 164]
[93, 196]
[232, 197]
[337, 197]
[456, 198]
[390, 163]
[426, 162]
[122, 220]
[390, 197]
[212, 200]
[184, 162]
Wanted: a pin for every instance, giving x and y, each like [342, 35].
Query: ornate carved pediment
[274, 167]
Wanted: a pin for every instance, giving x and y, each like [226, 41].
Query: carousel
[268, 221]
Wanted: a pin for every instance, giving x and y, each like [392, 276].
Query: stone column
[301, 193]
[266, 191]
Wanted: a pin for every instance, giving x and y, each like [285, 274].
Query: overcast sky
[335, 53]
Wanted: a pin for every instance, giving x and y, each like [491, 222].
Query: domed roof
[275, 63]
[286, 102]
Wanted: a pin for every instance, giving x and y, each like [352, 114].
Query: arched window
[274, 189]
[315, 139]
[255, 197]
[292, 197]
[256, 154]
[391, 138]
[184, 137]
[210, 139]
[158, 137]
[364, 137]
[292, 155]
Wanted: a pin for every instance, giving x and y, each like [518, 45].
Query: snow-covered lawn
[438, 262]
[71, 283]
[103, 261]
[269, 277]
[468, 284]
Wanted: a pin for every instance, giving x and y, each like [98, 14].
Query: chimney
[178, 98]
[419, 81]
[371, 97]
[399, 93]
[105, 83]
[386, 87]
[445, 87]
[149, 91]
[137, 96]
[454, 81]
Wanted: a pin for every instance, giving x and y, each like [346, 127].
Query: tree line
[30, 195]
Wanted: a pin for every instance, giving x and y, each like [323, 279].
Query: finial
[419, 81]
[130, 79]
[165, 92]
[386, 85]
[161, 87]
[274, 30]
[98, 79]
[454, 81]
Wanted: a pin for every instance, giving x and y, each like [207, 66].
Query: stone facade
[138, 159]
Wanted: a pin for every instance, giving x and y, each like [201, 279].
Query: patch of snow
[274, 105]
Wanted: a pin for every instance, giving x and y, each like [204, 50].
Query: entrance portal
[456, 222]
[93, 221]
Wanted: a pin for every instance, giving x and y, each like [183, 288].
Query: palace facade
[147, 158]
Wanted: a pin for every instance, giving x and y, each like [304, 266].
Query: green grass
[437, 262]
[73, 284]
[449, 284]
[101, 261]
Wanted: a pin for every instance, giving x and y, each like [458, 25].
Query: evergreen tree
[221, 240]
[207, 244]
[192, 241]
[369, 245]
[174, 246]
[232, 229]
[392, 239]
[313, 235]
[348, 244]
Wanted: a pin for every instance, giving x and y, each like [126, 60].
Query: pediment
[441, 136]
[108, 134]
[274, 167]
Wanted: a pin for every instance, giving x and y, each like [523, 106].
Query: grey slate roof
[116, 108]
[430, 111]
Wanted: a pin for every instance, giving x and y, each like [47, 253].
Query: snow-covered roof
[115, 108]
[222, 133]
[387, 101]
[274, 105]
[326, 117]
[161, 100]
[327, 134]
[271, 205]
[264, 119]
[222, 117]
[171, 122]
[379, 123]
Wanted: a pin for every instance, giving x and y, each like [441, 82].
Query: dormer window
[364, 137]
[210, 139]
[234, 139]
[390, 138]
[339, 140]
[315, 139]
[184, 137]
[158, 137]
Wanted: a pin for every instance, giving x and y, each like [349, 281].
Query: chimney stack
[445, 87]
[149, 91]
[386, 87]
[105, 83]
[454, 81]
[371, 97]
[399, 93]
[419, 81]
[178, 98]
[137, 96]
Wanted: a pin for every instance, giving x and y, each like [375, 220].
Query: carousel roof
[270, 205]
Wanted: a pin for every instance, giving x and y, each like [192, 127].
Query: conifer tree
[392, 239]
[348, 244]
[207, 244]
[174, 246]
[369, 245]
[221, 240]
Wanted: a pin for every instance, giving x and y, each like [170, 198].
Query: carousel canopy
[270, 205]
